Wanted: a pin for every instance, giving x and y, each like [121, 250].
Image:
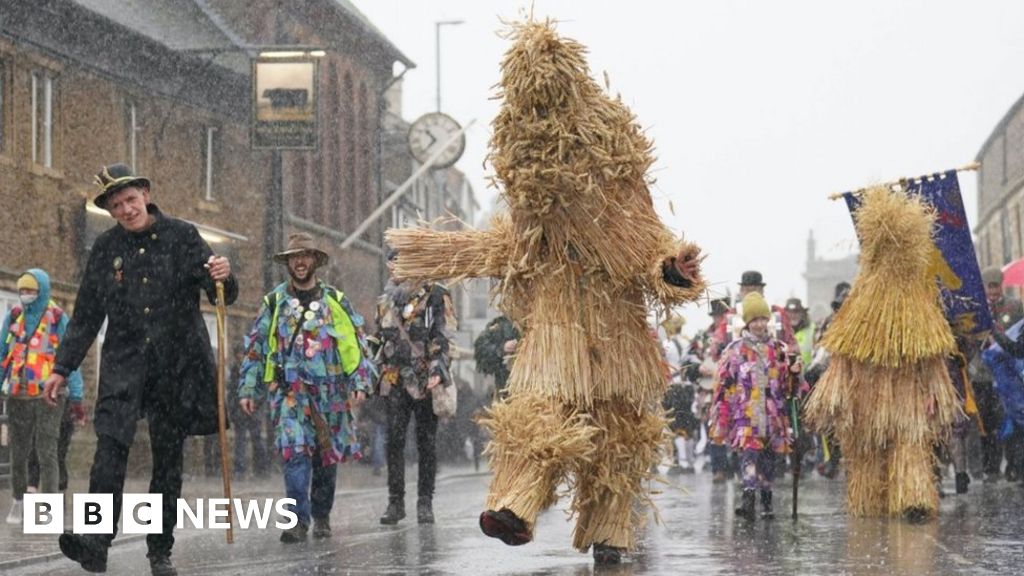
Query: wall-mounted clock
[429, 132]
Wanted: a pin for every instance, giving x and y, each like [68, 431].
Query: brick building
[999, 240]
[165, 86]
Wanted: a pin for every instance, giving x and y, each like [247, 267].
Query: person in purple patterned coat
[755, 379]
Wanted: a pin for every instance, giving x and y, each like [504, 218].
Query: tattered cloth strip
[887, 394]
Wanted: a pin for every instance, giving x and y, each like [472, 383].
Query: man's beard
[297, 279]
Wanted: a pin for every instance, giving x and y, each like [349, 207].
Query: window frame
[43, 81]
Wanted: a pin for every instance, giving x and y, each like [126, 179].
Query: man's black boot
[85, 549]
[395, 511]
[322, 527]
[160, 565]
[295, 534]
[425, 511]
[746, 508]
[766, 505]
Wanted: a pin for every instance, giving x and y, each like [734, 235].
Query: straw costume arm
[433, 255]
[664, 278]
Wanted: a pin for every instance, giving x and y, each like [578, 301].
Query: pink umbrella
[1013, 273]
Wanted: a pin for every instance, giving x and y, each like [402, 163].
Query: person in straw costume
[886, 394]
[578, 258]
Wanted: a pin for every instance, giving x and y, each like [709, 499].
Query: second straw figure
[579, 257]
[887, 394]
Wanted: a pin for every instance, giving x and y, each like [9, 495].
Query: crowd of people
[734, 390]
[736, 387]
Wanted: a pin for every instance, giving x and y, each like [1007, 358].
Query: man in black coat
[144, 277]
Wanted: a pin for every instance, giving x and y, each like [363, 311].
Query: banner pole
[965, 168]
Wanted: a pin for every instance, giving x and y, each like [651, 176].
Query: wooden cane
[222, 430]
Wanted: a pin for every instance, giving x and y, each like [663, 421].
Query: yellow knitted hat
[28, 282]
[754, 306]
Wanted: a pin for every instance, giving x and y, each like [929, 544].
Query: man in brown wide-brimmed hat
[306, 352]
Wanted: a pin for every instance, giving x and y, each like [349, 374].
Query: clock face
[429, 133]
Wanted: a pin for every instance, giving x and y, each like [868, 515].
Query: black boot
[322, 527]
[395, 511]
[160, 565]
[295, 534]
[962, 480]
[85, 549]
[424, 511]
[766, 505]
[746, 509]
[604, 554]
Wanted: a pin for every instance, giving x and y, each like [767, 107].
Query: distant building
[1001, 191]
[822, 276]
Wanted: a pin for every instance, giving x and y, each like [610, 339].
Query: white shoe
[14, 516]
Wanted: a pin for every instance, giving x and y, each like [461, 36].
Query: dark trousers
[67, 428]
[110, 466]
[401, 407]
[248, 430]
[991, 412]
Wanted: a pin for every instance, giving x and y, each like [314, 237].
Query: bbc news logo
[144, 513]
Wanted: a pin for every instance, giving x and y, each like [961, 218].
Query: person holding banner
[306, 350]
[144, 278]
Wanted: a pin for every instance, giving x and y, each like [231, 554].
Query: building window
[210, 164]
[131, 125]
[1004, 231]
[42, 119]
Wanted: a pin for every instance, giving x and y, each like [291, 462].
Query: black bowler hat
[751, 278]
[113, 178]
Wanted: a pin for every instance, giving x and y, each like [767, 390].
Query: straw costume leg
[609, 486]
[533, 438]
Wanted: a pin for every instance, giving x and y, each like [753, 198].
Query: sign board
[284, 105]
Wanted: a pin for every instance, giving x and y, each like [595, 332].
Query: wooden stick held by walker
[222, 432]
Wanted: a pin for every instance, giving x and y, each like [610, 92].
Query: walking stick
[794, 415]
[222, 431]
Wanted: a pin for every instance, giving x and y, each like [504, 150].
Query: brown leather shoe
[505, 526]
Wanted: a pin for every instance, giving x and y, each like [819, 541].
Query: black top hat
[841, 288]
[113, 178]
[795, 305]
[751, 278]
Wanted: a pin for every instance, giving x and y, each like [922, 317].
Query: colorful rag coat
[306, 379]
[29, 338]
[749, 402]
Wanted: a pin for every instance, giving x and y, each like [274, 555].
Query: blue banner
[959, 277]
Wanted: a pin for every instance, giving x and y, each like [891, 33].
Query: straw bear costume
[579, 258]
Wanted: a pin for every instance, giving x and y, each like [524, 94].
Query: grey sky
[758, 110]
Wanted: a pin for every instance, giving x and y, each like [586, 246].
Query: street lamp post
[437, 52]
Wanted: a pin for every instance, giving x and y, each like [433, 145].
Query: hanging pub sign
[284, 106]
